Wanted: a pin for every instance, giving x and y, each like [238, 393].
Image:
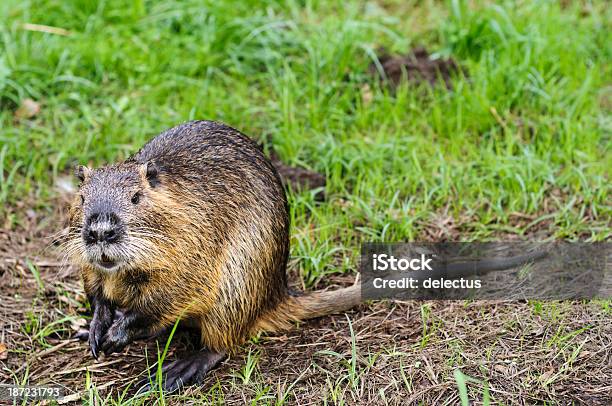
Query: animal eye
[82, 199]
[136, 198]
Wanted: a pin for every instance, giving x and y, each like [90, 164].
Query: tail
[321, 303]
[456, 270]
[309, 306]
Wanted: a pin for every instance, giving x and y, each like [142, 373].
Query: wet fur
[208, 242]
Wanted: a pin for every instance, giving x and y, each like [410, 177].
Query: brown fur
[208, 241]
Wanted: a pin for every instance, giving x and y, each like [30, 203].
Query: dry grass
[516, 149]
[381, 353]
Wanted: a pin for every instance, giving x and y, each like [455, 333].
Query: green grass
[527, 128]
[521, 144]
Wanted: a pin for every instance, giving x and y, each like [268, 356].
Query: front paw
[116, 338]
[102, 319]
[83, 333]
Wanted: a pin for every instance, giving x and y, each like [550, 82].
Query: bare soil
[405, 352]
[297, 177]
[417, 66]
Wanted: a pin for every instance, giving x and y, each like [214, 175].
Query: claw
[93, 345]
[101, 321]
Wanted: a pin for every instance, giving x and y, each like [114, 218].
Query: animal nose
[99, 235]
[102, 229]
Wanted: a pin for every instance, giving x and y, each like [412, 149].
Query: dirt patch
[417, 66]
[297, 177]
[399, 353]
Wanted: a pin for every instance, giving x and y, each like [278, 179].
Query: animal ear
[82, 172]
[151, 173]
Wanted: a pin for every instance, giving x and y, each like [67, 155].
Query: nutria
[194, 226]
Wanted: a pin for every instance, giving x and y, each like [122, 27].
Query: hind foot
[189, 370]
